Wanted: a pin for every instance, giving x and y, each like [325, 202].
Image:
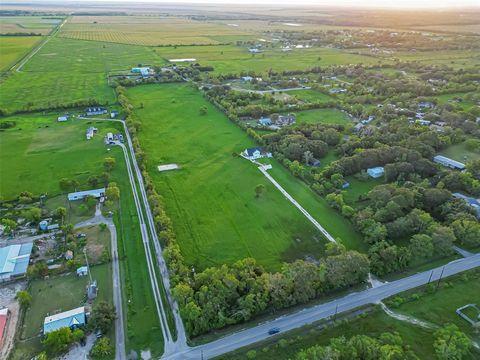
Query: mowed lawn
[39, 151]
[211, 199]
[460, 153]
[323, 116]
[230, 58]
[66, 71]
[13, 48]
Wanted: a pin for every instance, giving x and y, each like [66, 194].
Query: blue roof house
[376, 172]
[72, 319]
[14, 260]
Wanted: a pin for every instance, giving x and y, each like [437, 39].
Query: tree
[24, 298]
[33, 214]
[421, 246]
[10, 226]
[58, 341]
[93, 180]
[112, 192]
[467, 232]
[103, 316]
[109, 163]
[61, 212]
[450, 343]
[42, 356]
[307, 157]
[259, 190]
[102, 348]
[203, 110]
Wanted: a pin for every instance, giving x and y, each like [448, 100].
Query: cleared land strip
[297, 205]
[307, 316]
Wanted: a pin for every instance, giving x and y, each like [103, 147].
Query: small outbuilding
[62, 118]
[68, 255]
[376, 172]
[265, 121]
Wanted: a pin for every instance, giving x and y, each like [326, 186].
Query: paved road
[120, 353]
[319, 312]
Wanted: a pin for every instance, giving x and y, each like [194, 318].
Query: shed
[62, 118]
[72, 319]
[376, 172]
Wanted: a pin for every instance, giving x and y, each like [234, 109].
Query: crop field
[228, 59]
[27, 24]
[65, 71]
[452, 58]
[149, 30]
[211, 199]
[323, 116]
[14, 47]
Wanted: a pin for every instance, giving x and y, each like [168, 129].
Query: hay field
[149, 30]
[14, 47]
[27, 24]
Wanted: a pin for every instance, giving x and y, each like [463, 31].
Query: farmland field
[228, 59]
[65, 71]
[151, 30]
[323, 116]
[14, 47]
[211, 199]
[28, 24]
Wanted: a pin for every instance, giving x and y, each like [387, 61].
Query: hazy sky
[370, 3]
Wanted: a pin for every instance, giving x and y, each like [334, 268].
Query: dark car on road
[273, 331]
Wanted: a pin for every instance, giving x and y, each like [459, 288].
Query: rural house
[447, 162]
[72, 319]
[285, 120]
[95, 111]
[255, 153]
[62, 118]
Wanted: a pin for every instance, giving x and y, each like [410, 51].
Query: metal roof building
[72, 319]
[14, 260]
[80, 195]
[376, 172]
[453, 164]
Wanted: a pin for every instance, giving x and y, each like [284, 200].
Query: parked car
[273, 331]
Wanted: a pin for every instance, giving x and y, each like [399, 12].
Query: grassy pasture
[459, 29]
[453, 58]
[27, 24]
[230, 58]
[211, 199]
[57, 294]
[460, 153]
[14, 47]
[312, 96]
[37, 157]
[38, 152]
[65, 71]
[324, 116]
[465, 104]
[149, 30]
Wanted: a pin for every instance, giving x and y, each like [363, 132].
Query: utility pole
[440, 278]
[88, 267]
[430, 278]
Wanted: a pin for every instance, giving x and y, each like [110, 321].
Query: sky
[435, 4]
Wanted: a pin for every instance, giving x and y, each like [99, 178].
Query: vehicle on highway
[273, 331]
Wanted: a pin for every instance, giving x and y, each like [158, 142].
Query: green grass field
[54, 295]
[39, 151]
[323, 116]
[38, 156]
[450, 99]
[28, 24]
[211, 199]
[312, 96]
[230, 58]
[359, 187]
[65, 71]
[14, 47]
[460, 153]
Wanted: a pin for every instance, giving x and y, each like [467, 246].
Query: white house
[256, 153]
[80, 195]
[62, 118]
